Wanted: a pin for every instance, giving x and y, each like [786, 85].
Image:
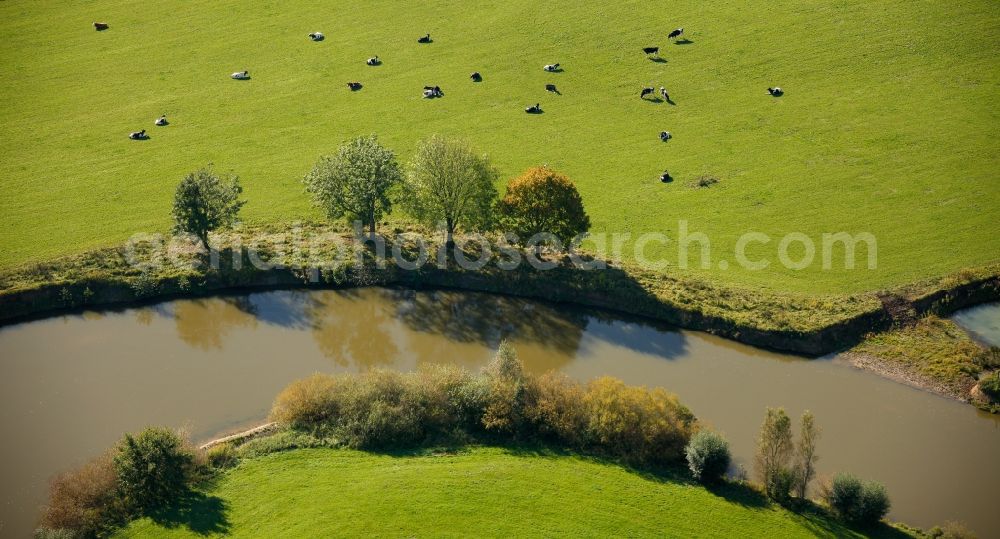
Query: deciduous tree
[205, 202]
[356, 182]
[449, 182]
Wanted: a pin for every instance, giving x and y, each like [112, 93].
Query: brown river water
[73, 384]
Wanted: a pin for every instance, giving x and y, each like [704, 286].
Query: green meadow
[889, 124]
[480, 492]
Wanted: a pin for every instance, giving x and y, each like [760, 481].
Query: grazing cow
[138, 135]
[241, 75]
[646, 91]
[663, 92]
[551, 67]
[317, 36]
[666, 177]
[775, 92]
[535, 109]
[373, 61]
[665, 136]
[551, 88]
[425, 39]
[162, 120]
[100, 26]
[651, 50]
[676, 33]
[354, 86]
[476, 77]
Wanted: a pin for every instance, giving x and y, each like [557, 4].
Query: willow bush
[503, 403]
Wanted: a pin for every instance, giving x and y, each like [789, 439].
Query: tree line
[446, 182]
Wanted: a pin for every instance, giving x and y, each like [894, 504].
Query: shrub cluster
[439, 404]
[990, 385]
[142, 473]
[708, 456]
[858, 502]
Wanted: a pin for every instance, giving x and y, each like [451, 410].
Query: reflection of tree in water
[351, 327]
[486, 319]
[203, 323]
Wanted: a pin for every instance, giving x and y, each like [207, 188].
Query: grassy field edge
[475, 490]
[798, 323]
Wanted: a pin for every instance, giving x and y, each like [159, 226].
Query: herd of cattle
[431, 92]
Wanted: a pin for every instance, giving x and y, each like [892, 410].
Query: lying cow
[241, 75]
[138, 135]
[373, 61]
[425, 39]
[665, 136]
[100, 26]
[551, 67]
[551, 88]
[317, 36]
[354, 86]
[433, 91]
[534, 109]
[161, 121]
[476, 77]
[775, 92]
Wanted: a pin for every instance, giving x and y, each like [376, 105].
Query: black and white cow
[241, 75]
[676, 33]
[775, 92]
[651, 50]
[161, 121]
[551, 67]
[354, 86]
[665, 136]
[317, 36]
[138, 135]
[663, 92]
[646, 91]
[100, 26]
[551, 88]
[425, 39]
[534, 109]
[476, 77]
[373, 61]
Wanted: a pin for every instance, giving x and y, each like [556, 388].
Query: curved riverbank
[219, 361]
[801, 324]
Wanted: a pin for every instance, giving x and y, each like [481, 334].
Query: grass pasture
[480, 492]
[889, 124]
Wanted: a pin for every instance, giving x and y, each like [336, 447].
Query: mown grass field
[481, 492]
[888, 125]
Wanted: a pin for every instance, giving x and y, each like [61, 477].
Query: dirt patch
[903, 374]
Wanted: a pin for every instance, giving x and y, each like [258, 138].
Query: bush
[557, 410]
[708, 456]
[153, 467]
[543, 201]
[310, 402]
[82, 502]
[635, 423]
[990, 385]
[222, 456]
[857, 502]
[382, 409]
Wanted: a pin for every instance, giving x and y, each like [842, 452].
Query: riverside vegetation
[413, 428]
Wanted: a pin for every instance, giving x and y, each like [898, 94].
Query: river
[73, 384]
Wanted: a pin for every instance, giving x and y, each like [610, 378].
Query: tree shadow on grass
[196, 511]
